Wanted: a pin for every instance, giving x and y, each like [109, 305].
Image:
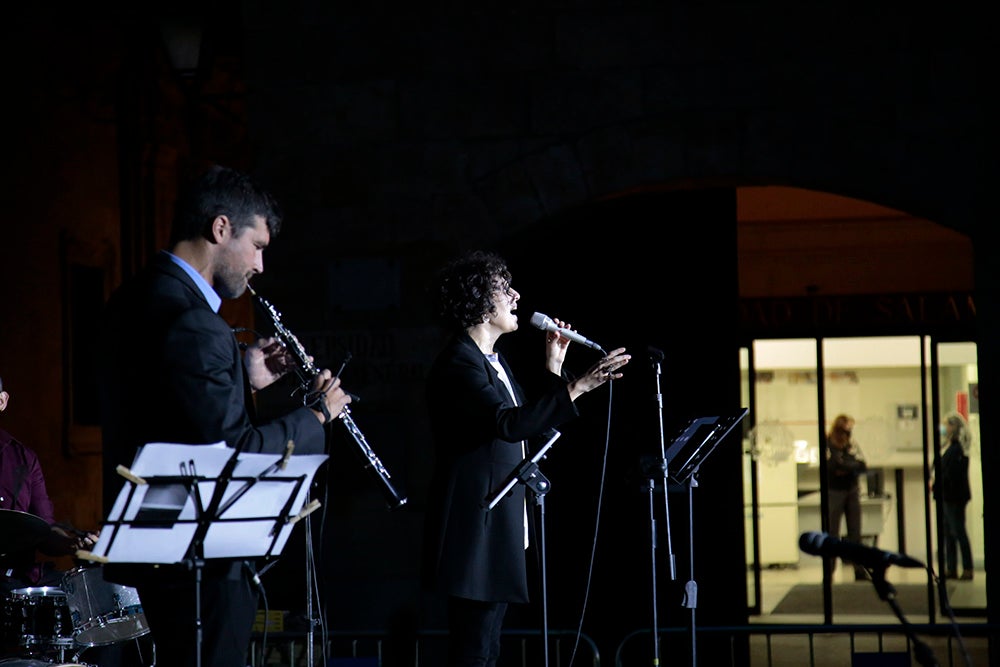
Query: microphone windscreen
[811, 542]
[542, 322]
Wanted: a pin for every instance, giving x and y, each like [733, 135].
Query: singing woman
[481, 423]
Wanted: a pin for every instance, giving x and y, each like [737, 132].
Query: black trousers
[956, 538]
[228, 607]
[474, 628]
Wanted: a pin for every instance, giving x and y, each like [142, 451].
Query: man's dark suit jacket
[172, 372]
[477, 430]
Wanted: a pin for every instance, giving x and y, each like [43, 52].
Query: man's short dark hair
[222, 191]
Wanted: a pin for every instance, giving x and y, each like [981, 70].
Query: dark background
[598, 146]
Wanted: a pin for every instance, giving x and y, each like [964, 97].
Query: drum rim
[100, 639]
[39, 592]
[96, 609]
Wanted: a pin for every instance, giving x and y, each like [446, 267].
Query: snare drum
[102, 612]
[39, 617]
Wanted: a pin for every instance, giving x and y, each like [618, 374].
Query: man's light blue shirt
[214, 300]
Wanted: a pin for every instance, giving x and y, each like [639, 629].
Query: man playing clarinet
[173, 372]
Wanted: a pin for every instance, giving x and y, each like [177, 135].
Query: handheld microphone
[545, 324]
[821, 544]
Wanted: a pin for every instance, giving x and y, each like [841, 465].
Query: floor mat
[858, 597]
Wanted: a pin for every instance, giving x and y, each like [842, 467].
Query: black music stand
[689, 449]
[526, 472]
[160, 516]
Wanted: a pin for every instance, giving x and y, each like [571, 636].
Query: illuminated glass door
[896, 390]
[780, 447]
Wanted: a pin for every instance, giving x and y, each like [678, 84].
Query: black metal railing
[777, 645]
[426, 648]
[755, 645]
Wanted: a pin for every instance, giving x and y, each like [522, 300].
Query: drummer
[22, 489]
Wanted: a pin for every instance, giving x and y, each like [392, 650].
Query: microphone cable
[239, 330]
[313, 586]
[597, 523]
[255, 577]
[946, 607]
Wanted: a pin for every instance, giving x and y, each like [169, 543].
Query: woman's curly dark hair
[465, 285]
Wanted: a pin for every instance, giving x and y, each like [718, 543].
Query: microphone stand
[886, 591]
[527, 473]
[656, 356]
[312, 577]
[196, 562]
[309, 592]
[691, 587]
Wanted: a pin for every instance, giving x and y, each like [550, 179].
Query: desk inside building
[874, 514]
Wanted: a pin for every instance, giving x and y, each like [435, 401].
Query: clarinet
[307, 372]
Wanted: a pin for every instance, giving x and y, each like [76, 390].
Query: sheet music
[165, 513]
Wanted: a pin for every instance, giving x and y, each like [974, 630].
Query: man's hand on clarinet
[267, 360]
[331, 397]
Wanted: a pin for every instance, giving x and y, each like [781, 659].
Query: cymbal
[21, 531]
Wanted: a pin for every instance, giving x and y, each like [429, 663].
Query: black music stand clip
[526, 472]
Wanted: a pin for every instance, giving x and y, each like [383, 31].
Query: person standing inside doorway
[954, 492]
[844, 465]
